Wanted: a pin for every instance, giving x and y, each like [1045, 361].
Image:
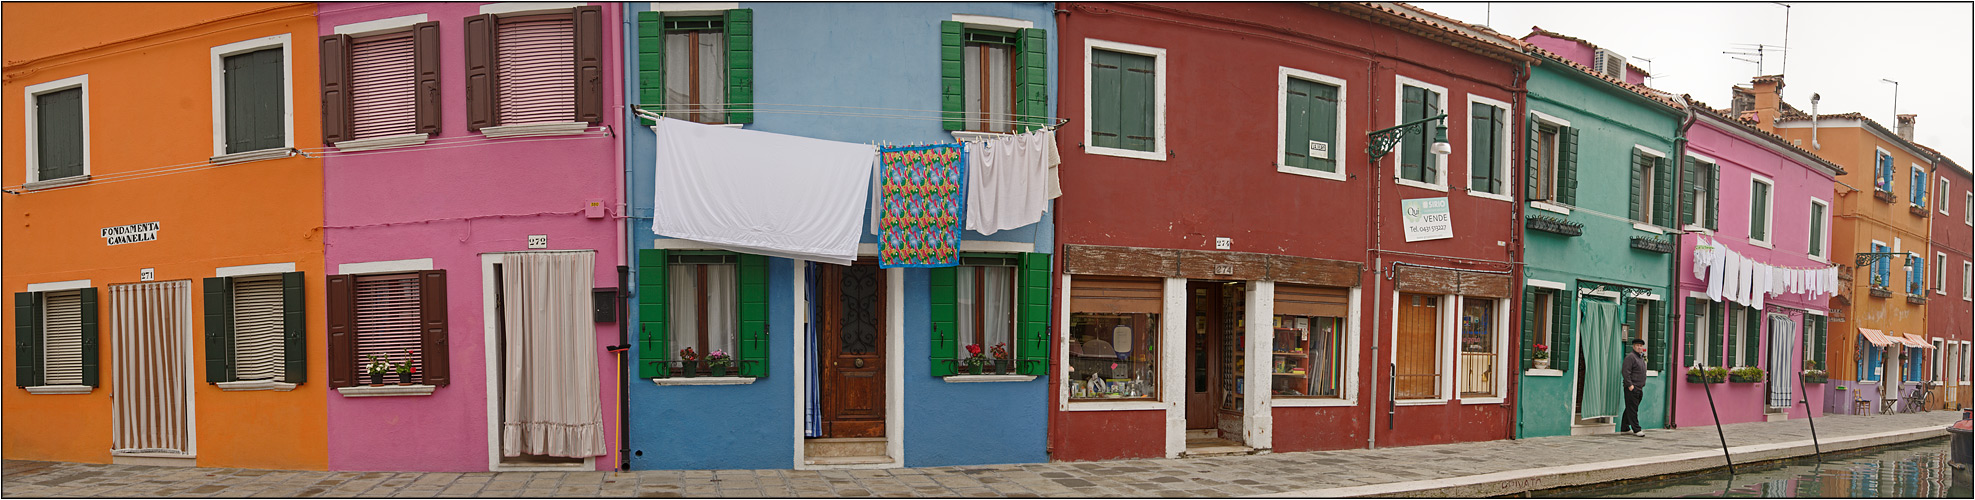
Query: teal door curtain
[1597, 327]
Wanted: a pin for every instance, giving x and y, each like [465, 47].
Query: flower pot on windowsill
[1001, 366]
[1917, 210]
[1542, 363]
[975, 368]
[1700, 379]
[1884, 196]
[1916, 298]
[1881, 292]
[1745, 376]
[405, 380]
[1815, 377]
[718, 370]
[687, 369]
[377, 379]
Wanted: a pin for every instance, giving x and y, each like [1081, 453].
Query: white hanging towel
[1009, 187]
[1761, 291]
[1717, 272]
[759, 192]
[1055, 182]
[1731, 284]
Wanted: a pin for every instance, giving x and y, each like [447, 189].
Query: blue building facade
[850, 72]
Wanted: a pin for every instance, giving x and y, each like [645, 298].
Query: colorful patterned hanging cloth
[920, 203]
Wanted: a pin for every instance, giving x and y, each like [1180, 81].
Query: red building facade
[1223, 223]
[1951, 308]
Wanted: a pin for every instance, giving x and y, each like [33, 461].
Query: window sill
[395, 141]
[1545, 206]
[1309, 402]
[535, 129]
[1484, 401]
[1652, 373]
[1418, 184]
[256, 385]
[265, 154]
[65, 181]
[1114, 405]
[60, 389]
[1543, 372]
[1648, 228]
[703, 381]
[956, 379]
[1697, 229]
[1761, 243]
[385, 390]
[1310, 172]
[1491, 196]
[1419, 402]
[1125, 153]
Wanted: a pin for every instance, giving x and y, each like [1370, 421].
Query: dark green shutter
[1106, 79]
[1532, 174]
[953, 75]
[1567, 171]
[653, 310]
[1032, 78]
[1823, 335]
[254, 101]
[27, 339]
[651, 63]
[58, 135]
[1528, 327]
[1688, 182]
[1717, 322]
[1138, 79]
[219, 330]
[294, 330]
[1752, 330]
[1714, 196]
[91, 366]
[1662, 193]
[1322, 125]
[1032, 337]
[1629, 313]
[1656, 341]
[1560, 330]
[1412, 158]
[944, 297]
[1296, 124]
[1632, 210]
[1695, 307]
[754, 315]
[740, 79]
[1484, 150]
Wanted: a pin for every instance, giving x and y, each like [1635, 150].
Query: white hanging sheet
[1008, 185]
[759, 192]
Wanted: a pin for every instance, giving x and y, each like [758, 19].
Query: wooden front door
[851, 347]
[1203, 354]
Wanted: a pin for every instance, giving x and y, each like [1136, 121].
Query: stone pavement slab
[1462, 469]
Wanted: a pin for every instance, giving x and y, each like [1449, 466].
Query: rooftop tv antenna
[1758, 50]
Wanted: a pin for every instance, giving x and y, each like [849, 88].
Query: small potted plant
[718, 361]
[975, 361]
[1745, 375]
[1542, 357]
[1001, 361]
[688, 363]
[376, 367]
[1707, 375]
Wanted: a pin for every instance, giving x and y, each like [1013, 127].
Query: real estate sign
[1427, 219]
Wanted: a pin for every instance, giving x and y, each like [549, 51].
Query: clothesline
[772, 108]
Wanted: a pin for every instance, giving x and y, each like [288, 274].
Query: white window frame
[1937, 365]
[1652, 189]
[960, 345]
[1940, 273]
[1446, 363]
[1941, 197]
[1893, 181]
[33, 129]
[1768, 212]
[1968, 208]
[1548, 204]
[1740, 335]
[1822, 250]
[1967, 269]
[1349, 382]
[1399, 84]
[58, 286]
[1501, 321]
[1172, 338]
[1917, 176]
[1554, 290]
[1700, 205]
[254, 271]
[1158, 55]
[379, 26]
[1874, 247]
[1702, 340]
[1508, 170]
[218, 77]
[1337, 153]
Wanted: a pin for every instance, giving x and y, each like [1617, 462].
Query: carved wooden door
[851, 346]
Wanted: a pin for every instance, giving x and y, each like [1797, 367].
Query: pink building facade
[450, 200]
[1770, 204]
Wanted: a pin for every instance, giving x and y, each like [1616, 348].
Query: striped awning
[1875, 337]
[1916, 341]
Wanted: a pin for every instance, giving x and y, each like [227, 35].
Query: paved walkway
[1353, 472]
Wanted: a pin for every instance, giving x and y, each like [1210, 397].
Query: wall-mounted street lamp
[1383, 140]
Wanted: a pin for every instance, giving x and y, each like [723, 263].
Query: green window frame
[656, 358]
[1311, 121]
[736, 29]
[1030, 341]
[1125, 100]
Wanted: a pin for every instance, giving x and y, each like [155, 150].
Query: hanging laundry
[1055, 160]
[1761, 291]
[920, 211]
[1008, 185]
[1717, 272]
[759, 192]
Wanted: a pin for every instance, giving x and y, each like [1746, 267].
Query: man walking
[1633, 371]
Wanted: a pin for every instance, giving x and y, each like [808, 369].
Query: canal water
[1918, 470]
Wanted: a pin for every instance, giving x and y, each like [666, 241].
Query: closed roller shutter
[382, 86]
[387, 320]
[257, 327]
[62, 314]
[1105, 294]
[535, 64]
[1302, 300]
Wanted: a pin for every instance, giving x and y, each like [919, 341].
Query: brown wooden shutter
[480, 84]
[425, 63]
[1427, 280]
[335, 61]
[589, 64]
[342, 322]
[432, 325]
[1485, 285]
[1110, 294]
[1301, 300]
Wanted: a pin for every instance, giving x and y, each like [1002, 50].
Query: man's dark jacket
[1634, 369]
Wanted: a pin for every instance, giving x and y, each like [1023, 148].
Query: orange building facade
[163, 235]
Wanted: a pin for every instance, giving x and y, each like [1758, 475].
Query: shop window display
[1113, 356]
[1308, 357]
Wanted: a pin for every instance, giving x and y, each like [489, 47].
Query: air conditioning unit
[1610, 64]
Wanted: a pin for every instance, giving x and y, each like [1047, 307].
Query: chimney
[1766, 93]
[1906, 127]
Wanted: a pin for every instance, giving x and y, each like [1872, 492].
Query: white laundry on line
[759, 192]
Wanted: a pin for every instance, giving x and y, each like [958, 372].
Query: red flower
[974, 349]
[1541, 347]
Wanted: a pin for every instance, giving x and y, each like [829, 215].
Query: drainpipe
[623, 347]
[1378, 277]
[1519, 104]
[1675, 295]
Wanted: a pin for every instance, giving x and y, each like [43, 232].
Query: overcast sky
[1837, 50]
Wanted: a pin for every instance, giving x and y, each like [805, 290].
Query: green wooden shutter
[1032, 78]
[653, 310]
[1638, 176]
[1531, 175]
[754, 315]
[1662, 193]
[953, 75]
[1106, 80]
[27, 339]
[294, 330]
[1823, 335]
[740, 78]
[651, 63]
[1656, 340]
[1296, 124]
[1687, 344]
[1562, 310]
[1032, 339]
[1412, 158]
[1137, 115]
[1629, 313]
[219, 330]
[1717, 322]
[1483, 148]
[254, 95]
[1322, 124]
[945, 313]
[1528, 327]
[1567, 172]
[91, 366]
[1714, 196]
[1687, 184]
[58, 135]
